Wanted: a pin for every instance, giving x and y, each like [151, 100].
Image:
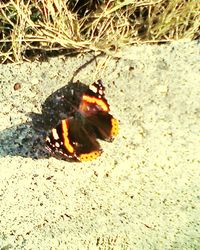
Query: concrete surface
[143, 192]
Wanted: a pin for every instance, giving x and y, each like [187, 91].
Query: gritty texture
[144, 190]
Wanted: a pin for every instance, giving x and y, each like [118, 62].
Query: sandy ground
[142, 193]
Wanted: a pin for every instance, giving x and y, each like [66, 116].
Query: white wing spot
[93, 88]
[48, 139]
[55, 134]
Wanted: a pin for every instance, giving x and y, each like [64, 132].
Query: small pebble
[17, 86]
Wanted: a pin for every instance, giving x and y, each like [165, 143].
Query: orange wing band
[101, 103]
[67, 144]
[115, 127]
[89, 156]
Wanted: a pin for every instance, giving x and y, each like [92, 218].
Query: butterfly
[75, 138]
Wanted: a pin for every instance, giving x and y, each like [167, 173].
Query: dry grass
[32, 27]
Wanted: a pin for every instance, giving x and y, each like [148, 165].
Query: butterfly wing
[71, 140]
[93, 100]
[95, 109]
[106, 127]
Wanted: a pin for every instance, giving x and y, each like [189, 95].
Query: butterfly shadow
[28, 139]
